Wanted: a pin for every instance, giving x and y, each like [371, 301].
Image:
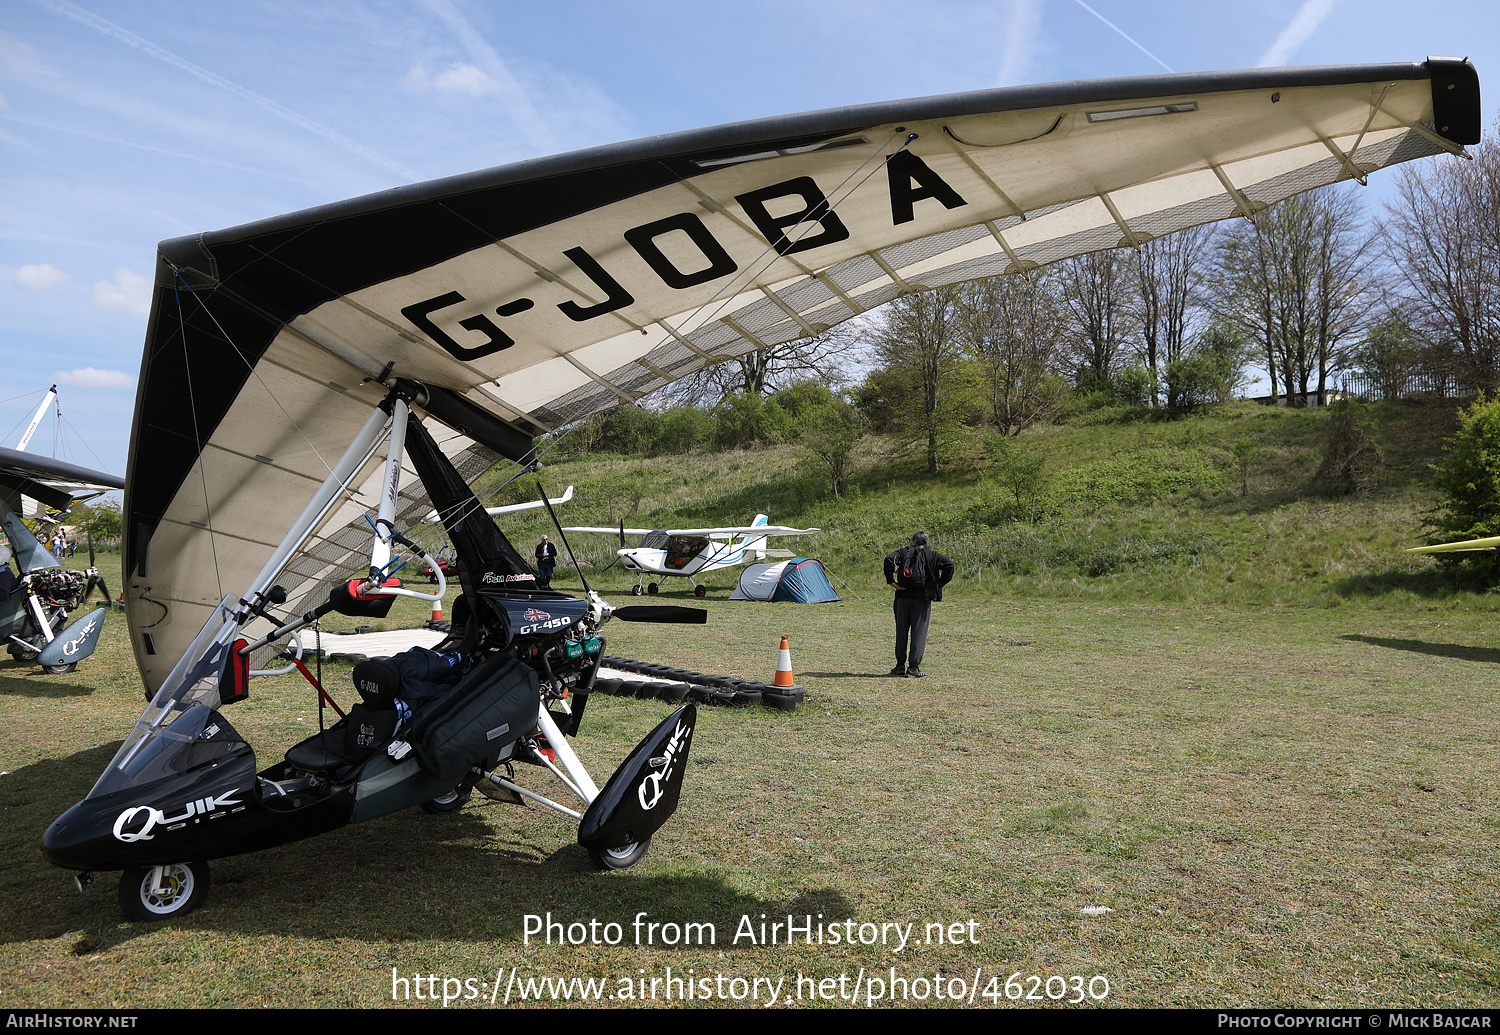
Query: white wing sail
[533, 295]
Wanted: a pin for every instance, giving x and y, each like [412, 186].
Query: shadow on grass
[1489, 655]
[850, 675]
[1437, 583]
[473, 875]
[26, 679]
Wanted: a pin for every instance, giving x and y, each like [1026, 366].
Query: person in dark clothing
[918, 574]
[546, 561]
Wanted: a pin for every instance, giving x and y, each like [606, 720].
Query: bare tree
[1443, 238]
[1167, 290]
[1295, 281]
[829, 358]
[1098, 292]
[1015, 327]
[920, 344]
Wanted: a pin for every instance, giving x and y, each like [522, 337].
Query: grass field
[1283, 806]
[1262, 774]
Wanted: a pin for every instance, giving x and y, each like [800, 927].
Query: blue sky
[122, 124]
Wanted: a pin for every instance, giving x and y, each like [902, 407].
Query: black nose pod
[643, 793]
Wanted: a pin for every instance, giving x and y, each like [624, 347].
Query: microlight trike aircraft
[685, 552]
[456, 322]
[34, 608]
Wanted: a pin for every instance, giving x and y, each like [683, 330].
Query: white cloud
[127, 293]
[488, 63]
[39, 278]
[88, 377]
[457, 80]
[1303, 24]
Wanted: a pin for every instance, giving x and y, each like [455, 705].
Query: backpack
[912, 563]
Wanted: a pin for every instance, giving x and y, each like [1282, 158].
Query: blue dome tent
[801, 580]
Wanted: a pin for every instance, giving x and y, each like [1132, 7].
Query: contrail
[1303, 24]
[129, 38]
[1122, 32]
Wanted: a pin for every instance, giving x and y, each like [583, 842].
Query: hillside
[1129, 509]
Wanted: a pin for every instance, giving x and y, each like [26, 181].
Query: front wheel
[60, 670]
[700, 591]
[184, 886]
[635, 590]
[450, 802]
[619, 858]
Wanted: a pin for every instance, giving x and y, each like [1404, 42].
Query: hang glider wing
[56, 483]
[758, 530]
[529, 296]
[515, 508]
[1492, 543]
[720, 533]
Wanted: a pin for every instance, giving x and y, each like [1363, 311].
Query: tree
[101, 519]
[830, 433]
[1014, 329]
[921, 345]
[1167, 274]
[829, 358]
[1097, 288]
[1021, 473]
[1390, 354]
[1443, 238]
[1210, 369]
[1295, 282]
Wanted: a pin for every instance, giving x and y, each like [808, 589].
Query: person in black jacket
[546, 561]
[918, 574]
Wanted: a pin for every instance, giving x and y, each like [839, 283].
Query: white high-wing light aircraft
[685, 552]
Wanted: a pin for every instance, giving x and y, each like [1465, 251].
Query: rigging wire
[80, 439]
[248, 365]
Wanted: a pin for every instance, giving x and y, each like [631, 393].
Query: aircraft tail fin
[754, 544]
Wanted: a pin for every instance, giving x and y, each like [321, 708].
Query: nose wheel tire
[635, 590]
[450, 802]
[619, 858]
[184, 886]
[60, 670]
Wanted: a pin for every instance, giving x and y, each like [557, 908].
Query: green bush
[1351, 458]
[1468, 479]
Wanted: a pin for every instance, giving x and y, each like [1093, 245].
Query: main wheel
[619, 858]
[700, 591]
[186, 885]
[651, 588]
[60, 670]
[450, 802]
[635, 590]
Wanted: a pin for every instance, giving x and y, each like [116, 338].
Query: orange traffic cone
[437, 610]
[784, 665]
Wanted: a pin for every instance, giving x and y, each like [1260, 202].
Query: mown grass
[1256, 734]
[1277, 805]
